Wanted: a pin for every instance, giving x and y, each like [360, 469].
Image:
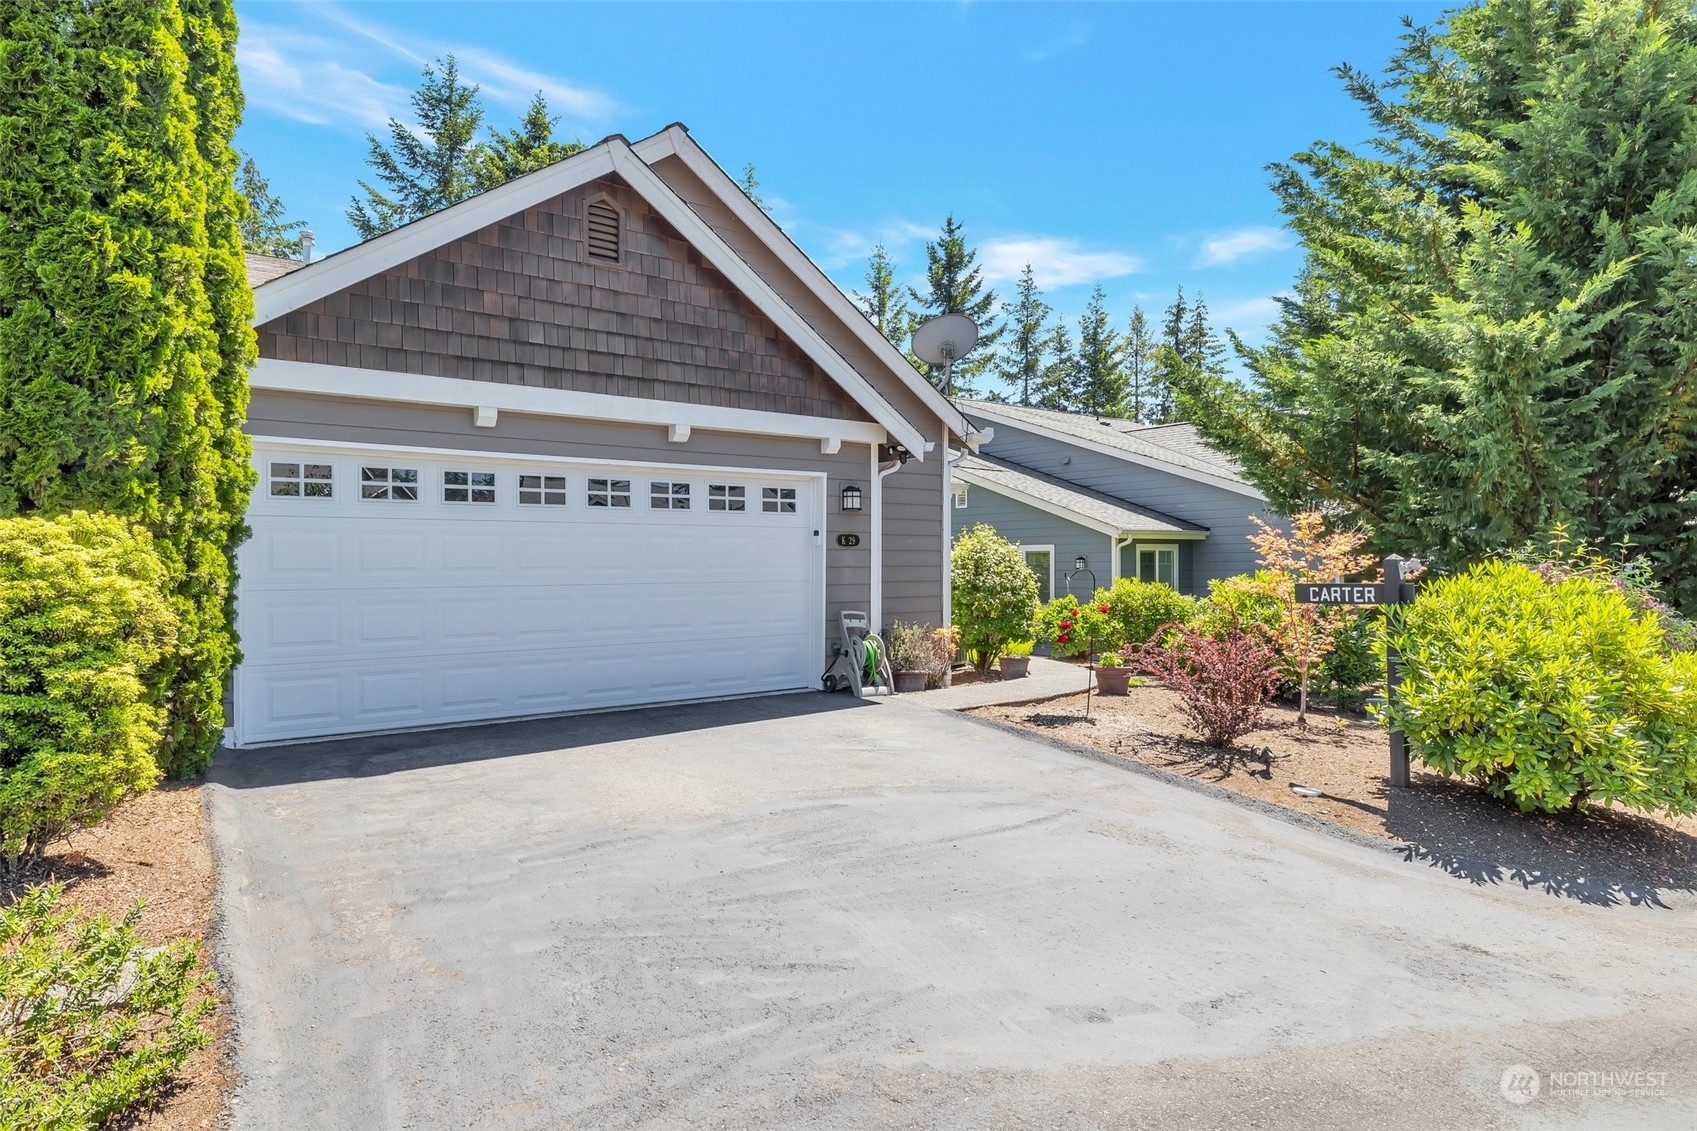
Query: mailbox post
[1393, 590]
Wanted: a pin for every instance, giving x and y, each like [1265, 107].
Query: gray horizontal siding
[1029, 526]
[848, 572]
[1225, 513]
[913, 542]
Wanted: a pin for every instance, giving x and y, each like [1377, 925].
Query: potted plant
[944, 645]
[910, 655]
[1016, 661]
[1113, 674]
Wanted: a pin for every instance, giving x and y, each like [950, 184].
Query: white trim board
[313, 378]
[613, 155]
[1121, 453]
[1078, 518]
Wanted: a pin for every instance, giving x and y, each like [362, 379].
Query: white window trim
[1139, 547]
[1050, 550]
[468, 487]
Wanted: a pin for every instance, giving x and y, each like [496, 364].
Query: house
[1155, 502]
[602, 436]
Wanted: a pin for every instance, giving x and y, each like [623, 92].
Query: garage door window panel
[609, 493]
[394, 484]
[727, 497]
[468, 486]
[291, 480]
[542, 490]
[777, 500]
[668, 495]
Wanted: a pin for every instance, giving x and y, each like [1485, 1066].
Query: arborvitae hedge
[124, 313]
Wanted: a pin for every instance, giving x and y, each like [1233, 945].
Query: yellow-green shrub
[82, 625]
[993, 594]
[1551, 693]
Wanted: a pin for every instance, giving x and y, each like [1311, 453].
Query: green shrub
[1137, 608]
[82, 625]
[1356, 661]
[1072, 628]
[1240, 603]
[994, 594]
[93, 1022]
[1549, 692]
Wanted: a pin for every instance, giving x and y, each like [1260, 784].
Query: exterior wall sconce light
[1079, 563]
[851, 498]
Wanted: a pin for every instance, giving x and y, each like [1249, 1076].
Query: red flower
[1066, 625]
[1061, 639]
[1104, 610]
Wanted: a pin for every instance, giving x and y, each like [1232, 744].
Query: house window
[1158, 563]
[298, 480]
[542, 490]
[960, 496]
[726, 497]
[1040, 560]
[609, 492]
[668, 496]
[396, 483]
[777, 500]
[602, 232]
[468, 486]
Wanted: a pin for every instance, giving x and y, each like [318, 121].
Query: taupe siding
[848, 572]
[914, 523]
[521, 302]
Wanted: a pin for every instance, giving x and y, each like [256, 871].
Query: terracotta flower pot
[1014, 667]
[910, 681]
[1113, 681]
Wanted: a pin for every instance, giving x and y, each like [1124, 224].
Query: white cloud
[1246, 314]
[1246, 241]
[839, 247]
[1054, 262]
[294, 75]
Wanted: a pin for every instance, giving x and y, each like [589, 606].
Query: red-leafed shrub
[1223, 680]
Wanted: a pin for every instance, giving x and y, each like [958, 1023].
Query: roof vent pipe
[307, 240]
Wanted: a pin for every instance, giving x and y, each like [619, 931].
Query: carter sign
[1343, 593]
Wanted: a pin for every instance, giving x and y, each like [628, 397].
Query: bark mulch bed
[156, 848]
[1599, 855]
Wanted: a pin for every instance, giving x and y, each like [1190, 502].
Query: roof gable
[1094, 509]
[614, 155]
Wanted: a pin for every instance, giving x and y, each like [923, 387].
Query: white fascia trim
[345, 268]
[675, 141]
[274, 375]
[1078, 518]
[669, 204]
[1121, 453]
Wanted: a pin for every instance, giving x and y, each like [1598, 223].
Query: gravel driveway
[800, 912]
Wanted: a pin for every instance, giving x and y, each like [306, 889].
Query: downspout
[1119, 544]
[876, 535]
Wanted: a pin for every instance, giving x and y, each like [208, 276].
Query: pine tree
[1060, 373]
[883, 302]
[525, 149]
[125, 334]
[1099, 381]
[750, 184]
[955, 285]
[1143, 389]
[1494, 331]
[264, 228]
[1202, 347]
[1020, 365]
[428, 168]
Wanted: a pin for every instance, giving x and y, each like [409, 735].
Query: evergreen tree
[264, 227]
[1099, 378]
[1060, 373]
[883, 302]
[125, 334]
[1143, 387]
[1202, 348]
[428, 167]
[1020, 365]
[1173, 324]
[1494, 329]
[529, 147]
[750, 184]
[955, 285]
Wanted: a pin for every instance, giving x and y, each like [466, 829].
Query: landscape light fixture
[851, 498]
[1079, 564]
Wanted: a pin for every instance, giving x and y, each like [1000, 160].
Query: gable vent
[603, 232]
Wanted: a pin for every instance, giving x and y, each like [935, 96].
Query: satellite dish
[945, 339]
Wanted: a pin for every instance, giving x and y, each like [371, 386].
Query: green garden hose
[871, 647]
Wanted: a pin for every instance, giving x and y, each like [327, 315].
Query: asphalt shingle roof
[1177, 444]
[1118, 513]
[264, 268]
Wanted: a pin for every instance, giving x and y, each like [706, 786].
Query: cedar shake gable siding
[520, 302]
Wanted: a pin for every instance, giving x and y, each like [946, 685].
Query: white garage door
[386, 589]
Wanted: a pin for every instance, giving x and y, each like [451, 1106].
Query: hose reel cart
[863, 666]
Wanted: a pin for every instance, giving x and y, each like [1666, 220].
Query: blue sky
[1114, 143]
